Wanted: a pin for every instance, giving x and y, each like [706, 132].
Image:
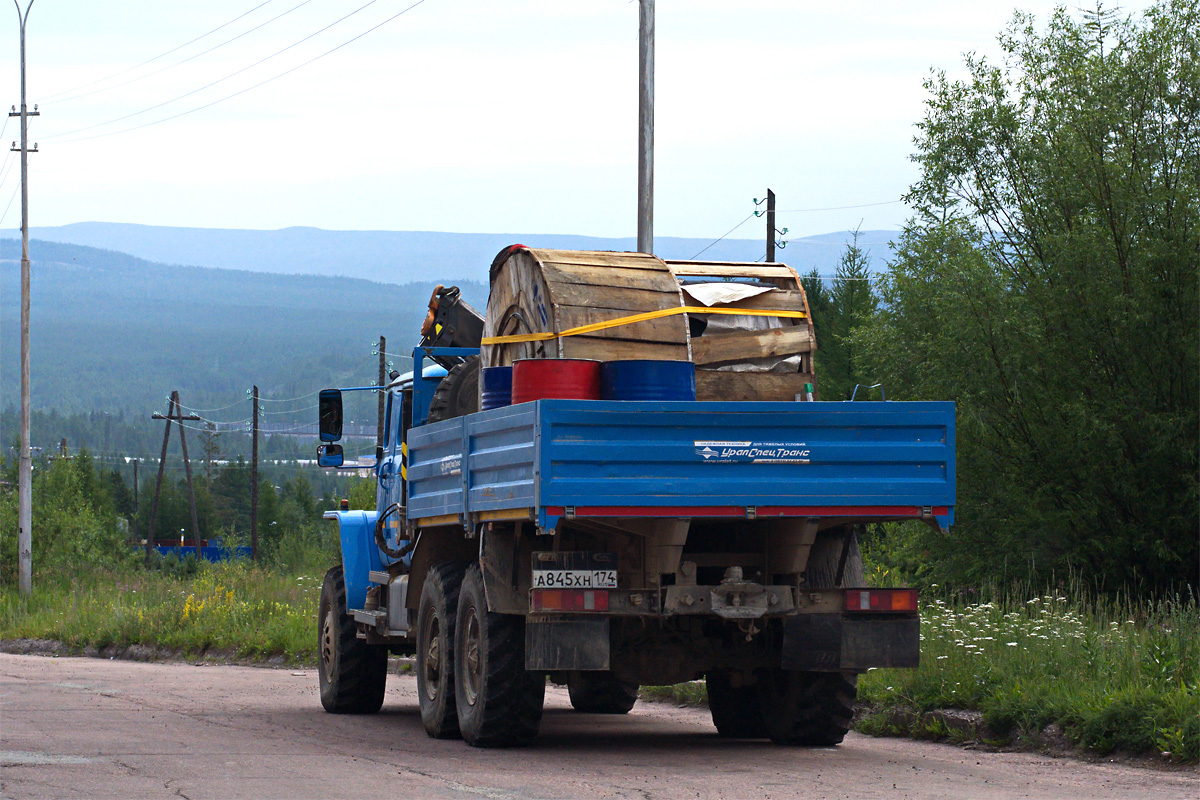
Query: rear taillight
[569, 600]
[881, 599]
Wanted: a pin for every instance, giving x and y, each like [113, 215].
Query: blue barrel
[648, 380]
[495, 387]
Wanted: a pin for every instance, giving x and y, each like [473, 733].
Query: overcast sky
[474, 116]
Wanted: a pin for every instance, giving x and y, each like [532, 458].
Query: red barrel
[563, 378]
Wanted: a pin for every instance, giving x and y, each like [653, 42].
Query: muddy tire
[436, 615]
[816, 708]
[735, 710]
[807, 708]
[499, 702]
[352, 673]
[458, 393]
[600, 693]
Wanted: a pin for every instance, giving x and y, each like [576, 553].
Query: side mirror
[329, 455]
[329, 415]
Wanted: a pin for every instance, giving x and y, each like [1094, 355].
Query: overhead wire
[837, 208]
[4, 216]
[731, 230]
[157, 57]
[238, 72]
[183, 61]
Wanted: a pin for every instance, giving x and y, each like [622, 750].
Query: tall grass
[1113, 674]
[233, 607]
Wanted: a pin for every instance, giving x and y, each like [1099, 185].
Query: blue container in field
[495, 387]
[648, 380]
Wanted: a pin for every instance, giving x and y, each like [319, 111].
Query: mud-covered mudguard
[360, 554]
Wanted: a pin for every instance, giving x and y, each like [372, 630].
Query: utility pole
[135, 499]
[174, 412]
[770, 226]
[25, 459]
[187, 470]
[254, 479]
[382, 393]
[645, 227]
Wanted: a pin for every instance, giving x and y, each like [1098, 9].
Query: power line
[10, 202]
[838, 208]
[227, 77]
[184, 61]
[157, 57]
[731, 230]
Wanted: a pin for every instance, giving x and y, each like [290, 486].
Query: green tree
[1048, 282]
[837, 311]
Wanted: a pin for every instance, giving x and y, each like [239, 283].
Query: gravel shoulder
[78, 727]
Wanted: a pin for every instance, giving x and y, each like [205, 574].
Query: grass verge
[1105, 675]
[233, 607]
[1099, 675]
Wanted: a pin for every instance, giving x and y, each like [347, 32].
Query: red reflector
[569, 600]
[881, 600]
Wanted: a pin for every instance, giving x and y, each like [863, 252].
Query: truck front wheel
[352, 672]
[499, 702]
[435, 650]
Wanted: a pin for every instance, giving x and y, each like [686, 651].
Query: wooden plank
[600, 258]
[725, 348]
[600, 276]
[746, 386]
[672, 330]
[730, 270]
[633, 301]
[618, 349]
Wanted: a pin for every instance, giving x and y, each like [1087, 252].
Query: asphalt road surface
[75, 727]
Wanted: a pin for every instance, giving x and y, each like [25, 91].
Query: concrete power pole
[25, 460]
[645, 228]
[254, 479]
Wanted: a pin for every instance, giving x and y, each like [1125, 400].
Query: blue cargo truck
[610, 544]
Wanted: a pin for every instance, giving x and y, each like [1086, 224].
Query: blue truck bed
[588, 458]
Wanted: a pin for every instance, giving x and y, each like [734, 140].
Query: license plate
[574, 570]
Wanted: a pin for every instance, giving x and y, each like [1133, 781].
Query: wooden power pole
[382, 393]
[174, 412]
[770, 226]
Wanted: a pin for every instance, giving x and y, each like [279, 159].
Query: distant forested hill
[404, 256]
[112, 332]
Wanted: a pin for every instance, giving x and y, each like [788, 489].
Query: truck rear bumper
[850, 642]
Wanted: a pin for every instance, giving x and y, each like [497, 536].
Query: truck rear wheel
[736, 710]
[352, 673]
[499, 702]
[816, 708]
[807, 708]
[601, 693]
[436, 617]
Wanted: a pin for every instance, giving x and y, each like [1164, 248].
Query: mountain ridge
[400, 257]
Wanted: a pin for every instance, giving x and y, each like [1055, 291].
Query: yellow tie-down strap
[634, 318]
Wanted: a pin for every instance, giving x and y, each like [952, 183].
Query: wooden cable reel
[751, 356]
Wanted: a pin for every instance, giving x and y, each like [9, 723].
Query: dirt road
[74, 727]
